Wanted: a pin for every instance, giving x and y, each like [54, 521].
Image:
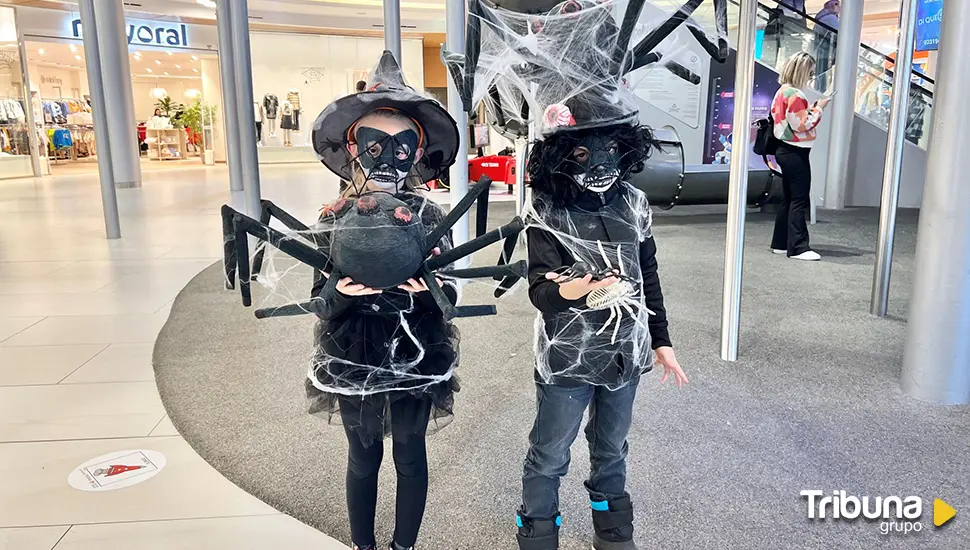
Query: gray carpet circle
[813, 403]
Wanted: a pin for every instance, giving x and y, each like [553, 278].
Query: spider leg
[518, 269]
[229, 246]
[606, 258]
[467, 249]
[630, 18]
[616, 327]
[457, 211]
[242, 226]
[657, 35]
[447, 309]
[608, 321]
[268, 211]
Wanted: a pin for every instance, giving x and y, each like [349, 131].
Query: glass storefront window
[15, 138]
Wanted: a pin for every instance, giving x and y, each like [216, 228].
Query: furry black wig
[548, 156]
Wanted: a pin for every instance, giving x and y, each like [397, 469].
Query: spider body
[376, 240]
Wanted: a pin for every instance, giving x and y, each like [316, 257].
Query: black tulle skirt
[364, 363]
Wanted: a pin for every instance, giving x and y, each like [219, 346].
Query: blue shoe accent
[558, 521]
[518, 521]
[600, 506]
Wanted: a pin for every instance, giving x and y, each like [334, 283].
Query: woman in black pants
[795, 122]
[385, 359]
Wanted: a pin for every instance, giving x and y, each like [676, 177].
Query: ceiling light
[157, 62]
[169, 53]
[192, 93]
[73, 48]
[195, 58]
[157, 93]
[195, 70]
[206, 3]
[78, 57]
[149, 70]
[166, 73]
[41, 51]
[177, 66]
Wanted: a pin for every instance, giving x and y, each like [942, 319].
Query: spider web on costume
[313, 74]
[582, 342]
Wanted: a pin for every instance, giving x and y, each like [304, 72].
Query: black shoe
[613, 524]
[368, 547]
[395, 546]
[538, 534]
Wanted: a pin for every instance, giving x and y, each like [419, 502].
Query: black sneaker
[613, 524]
[538, 534]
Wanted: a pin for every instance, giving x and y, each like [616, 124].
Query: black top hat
[386, 90]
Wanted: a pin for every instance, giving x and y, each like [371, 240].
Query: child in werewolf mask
[602, 323]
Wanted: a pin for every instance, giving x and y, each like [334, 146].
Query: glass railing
[783, 32]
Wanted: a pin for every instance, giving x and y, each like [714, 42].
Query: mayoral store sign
[148, 33]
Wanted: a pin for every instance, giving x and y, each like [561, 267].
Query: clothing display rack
[14, 133]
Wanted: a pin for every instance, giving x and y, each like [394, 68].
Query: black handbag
[765, 143]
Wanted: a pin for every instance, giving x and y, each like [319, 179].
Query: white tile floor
[78, 319]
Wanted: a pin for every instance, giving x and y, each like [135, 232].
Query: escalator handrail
[863, 45]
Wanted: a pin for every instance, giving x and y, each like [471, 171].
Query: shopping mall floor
[813, 403]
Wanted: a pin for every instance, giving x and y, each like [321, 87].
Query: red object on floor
[498, 168]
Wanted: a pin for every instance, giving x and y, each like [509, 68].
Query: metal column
[936, 361]
[32, 140]
[842, 108]
[392, 29]
[109, 197]
[458, 176]
[230, 109]
[879, 304]
[112, 39]
[242, 66]
[738, 186]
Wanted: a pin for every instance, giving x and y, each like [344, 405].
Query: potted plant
[196, 117]
[173, 110]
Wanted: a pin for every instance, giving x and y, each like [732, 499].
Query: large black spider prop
[624, 59]
[371, 227]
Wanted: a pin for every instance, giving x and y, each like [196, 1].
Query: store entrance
[176, 123]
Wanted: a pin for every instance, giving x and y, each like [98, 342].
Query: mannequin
[270, 105]
[293, 96]
[286, 123]
[258, 117]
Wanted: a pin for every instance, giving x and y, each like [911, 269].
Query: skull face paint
[386, 159]
[594, 164]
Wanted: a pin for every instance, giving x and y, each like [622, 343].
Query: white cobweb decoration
[606, 340]
[313, 74]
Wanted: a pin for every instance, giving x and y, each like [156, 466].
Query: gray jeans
[559, 413]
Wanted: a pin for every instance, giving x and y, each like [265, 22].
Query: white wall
[58, 82]
[331, 71]
[145, 104]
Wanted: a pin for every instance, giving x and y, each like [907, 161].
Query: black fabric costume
[360, 330]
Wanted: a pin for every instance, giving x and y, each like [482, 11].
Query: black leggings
[791, 227]
[411, 462]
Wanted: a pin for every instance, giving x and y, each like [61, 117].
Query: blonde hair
[797, 71]
[411, 182]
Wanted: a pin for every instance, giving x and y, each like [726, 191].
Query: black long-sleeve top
[614, 218]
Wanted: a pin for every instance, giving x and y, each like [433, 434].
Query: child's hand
[417, 285]
[348, 287]
[664, 356]
[577, 288]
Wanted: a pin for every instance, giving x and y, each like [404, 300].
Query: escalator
[781, 34]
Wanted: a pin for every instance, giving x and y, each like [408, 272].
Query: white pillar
[936, 361]
[738, 185]
[242, 66]
[112, 41]
[842, 108]
[879, 303]
[458, 176]
[109, 198]
[392, 29]
[230, 111]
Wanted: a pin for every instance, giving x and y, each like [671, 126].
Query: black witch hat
[387, 90]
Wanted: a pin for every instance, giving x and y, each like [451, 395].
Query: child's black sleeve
[547, 254]
[331, 308]
[652, 293]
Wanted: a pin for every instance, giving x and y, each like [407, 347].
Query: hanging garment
[293, 96]
[270, 105]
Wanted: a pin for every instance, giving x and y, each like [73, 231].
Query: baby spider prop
[376, 239]
[521, 56]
